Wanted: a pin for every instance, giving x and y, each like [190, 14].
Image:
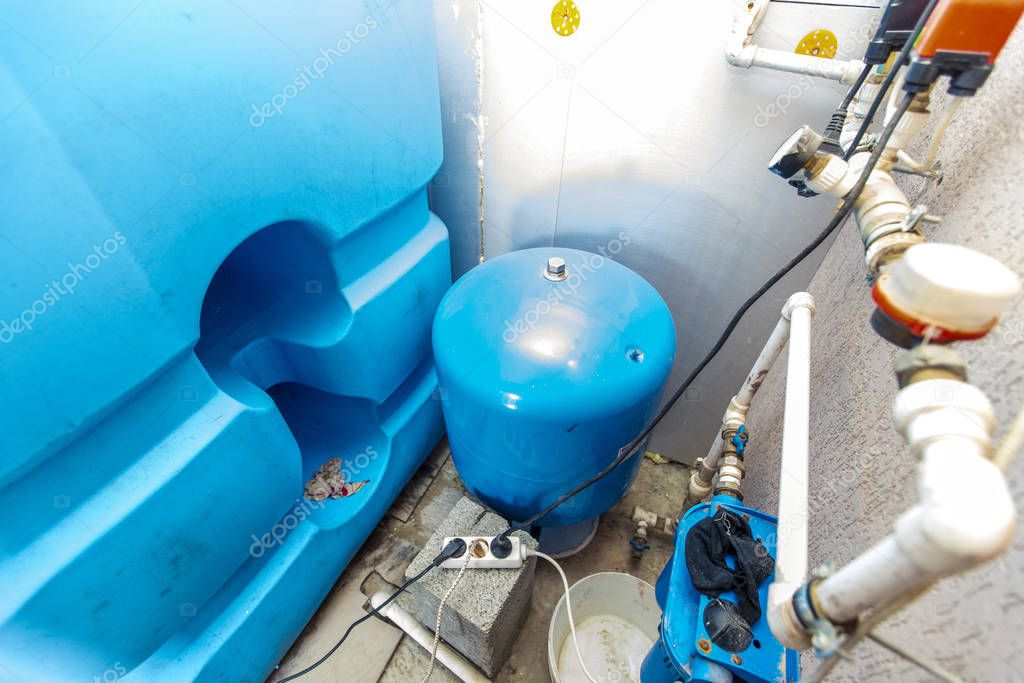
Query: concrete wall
[636, 123]
[971, 624]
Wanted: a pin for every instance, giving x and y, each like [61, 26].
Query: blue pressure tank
[549, 361]
[218, 269]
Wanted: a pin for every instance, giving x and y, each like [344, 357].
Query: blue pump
[685, 650]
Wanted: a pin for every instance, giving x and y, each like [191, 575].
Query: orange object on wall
[975, 26]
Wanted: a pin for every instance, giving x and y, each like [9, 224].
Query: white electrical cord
[940, 132]
[440, 609]
[568, 610]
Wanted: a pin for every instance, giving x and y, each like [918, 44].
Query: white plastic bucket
[617, 619]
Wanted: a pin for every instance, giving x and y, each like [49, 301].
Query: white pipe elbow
[739, 48]
[961, 524]
[966, 514]
[798, 300]
[738, 52]
[742, 51]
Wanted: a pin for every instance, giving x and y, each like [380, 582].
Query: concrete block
[482, 618]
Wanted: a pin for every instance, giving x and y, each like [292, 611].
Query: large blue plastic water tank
[217, 270]
[543, 379]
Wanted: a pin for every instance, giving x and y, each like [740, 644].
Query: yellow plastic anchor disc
[565, 17]
[818, 43]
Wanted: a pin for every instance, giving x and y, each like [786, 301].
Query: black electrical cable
[901, 59]
[883, 94]
[852, 92]
[454, 549]
[841, 215]
[835, 125]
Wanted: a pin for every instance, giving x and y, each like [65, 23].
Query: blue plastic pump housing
[218, 271]
[678, 655]
[543, 378]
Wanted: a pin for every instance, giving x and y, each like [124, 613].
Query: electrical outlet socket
[480, 555]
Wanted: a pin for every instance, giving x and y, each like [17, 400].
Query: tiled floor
[376, 651]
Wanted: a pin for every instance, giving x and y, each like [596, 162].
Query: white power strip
[480, 555]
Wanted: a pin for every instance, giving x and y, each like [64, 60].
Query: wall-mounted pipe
[965, 516]
[741, 51]
[791, 553]
[700, 484]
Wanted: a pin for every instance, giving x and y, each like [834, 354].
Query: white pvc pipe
[699, 486]
[765, 360]
[741, 51]
[839, 70]
[965, 515]
[791, 552]
[858, 111]
[451, 659]
[740, 403]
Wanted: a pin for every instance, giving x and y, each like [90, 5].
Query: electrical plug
[481, 555]
[453, 547]
[501, 546]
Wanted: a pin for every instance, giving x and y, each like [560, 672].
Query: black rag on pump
[707, 545]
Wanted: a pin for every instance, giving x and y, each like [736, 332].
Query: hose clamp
[824, 636]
